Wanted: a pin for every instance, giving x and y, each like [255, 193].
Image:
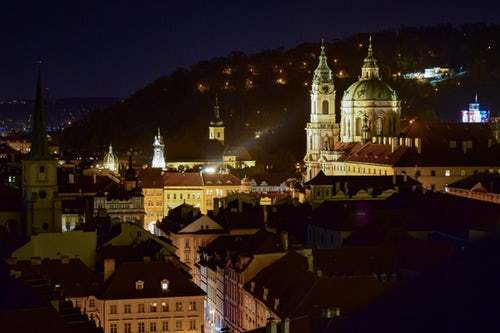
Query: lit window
[140, 327]
[127, 308]
[164, 326]
[112, 309]
[152, 326]
[152, 307]
[113, 328]
[139, 285]
[178, 306]
[164, 307]
[192, 306]
[164, 284]
[447, 173]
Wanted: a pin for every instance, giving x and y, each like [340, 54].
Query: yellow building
[152, 188]
[198, 189]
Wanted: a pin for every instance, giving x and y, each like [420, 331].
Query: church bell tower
[39, 180]
[322, 132]
[216, 128]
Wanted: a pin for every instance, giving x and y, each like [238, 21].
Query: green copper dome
[369, 90]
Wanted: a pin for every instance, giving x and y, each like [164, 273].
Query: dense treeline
[269, 91]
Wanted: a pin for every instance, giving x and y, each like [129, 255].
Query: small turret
[370, 69]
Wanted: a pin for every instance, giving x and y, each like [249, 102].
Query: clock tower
[322, 131]
[40, 195]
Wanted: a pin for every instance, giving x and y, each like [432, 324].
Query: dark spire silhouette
[39, 146]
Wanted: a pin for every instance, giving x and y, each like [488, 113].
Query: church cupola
[158, 152]
[322, 73]
[110, 161]
[216, 127]
[370, 70]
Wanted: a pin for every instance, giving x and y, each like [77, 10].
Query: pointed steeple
[322, 73]
[39, 146]
[475, 99]
[370, 68]
[217, 117]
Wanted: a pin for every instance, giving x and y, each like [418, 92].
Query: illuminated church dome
[110, 161]
[369, 107]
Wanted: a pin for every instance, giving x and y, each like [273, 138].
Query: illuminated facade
[475, 114]
[322, 131]
[110, 161]
[369, 106]
[158, 152]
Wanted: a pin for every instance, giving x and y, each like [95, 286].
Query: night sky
[112, 48]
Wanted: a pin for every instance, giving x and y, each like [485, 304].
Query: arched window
[379, 126]
[358, 126]
[325, 107]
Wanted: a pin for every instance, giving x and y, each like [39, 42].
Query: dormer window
[139, 285]
[164, 284]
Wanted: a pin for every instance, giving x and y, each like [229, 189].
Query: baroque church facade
[369, 108]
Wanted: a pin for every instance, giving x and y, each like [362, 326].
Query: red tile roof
[182, 179]
[122, 284]
[151, 177]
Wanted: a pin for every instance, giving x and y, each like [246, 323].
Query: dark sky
[112, 48]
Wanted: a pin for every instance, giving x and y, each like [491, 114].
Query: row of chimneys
[272, 324]
[395, 142]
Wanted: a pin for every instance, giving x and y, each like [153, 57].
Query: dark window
[42, 194]
[433, 172]
[42, 169]
[325, 107]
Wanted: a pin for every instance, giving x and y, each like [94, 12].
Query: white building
[158, 152]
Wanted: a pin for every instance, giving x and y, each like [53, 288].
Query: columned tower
[39, 184]
[158, 152]
[322, 132]
[216, 127]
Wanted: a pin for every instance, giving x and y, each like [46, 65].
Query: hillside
[268, 91]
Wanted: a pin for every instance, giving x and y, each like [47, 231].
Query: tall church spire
[217, 117]
[370, 68]
[322, 73]
[39, 146]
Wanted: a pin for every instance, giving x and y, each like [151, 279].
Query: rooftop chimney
[271, 326]
[418, 145]
[394, 144]
[284, 240]
[109, 267]
[285, 325]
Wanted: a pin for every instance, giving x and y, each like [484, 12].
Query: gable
[203, 223]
